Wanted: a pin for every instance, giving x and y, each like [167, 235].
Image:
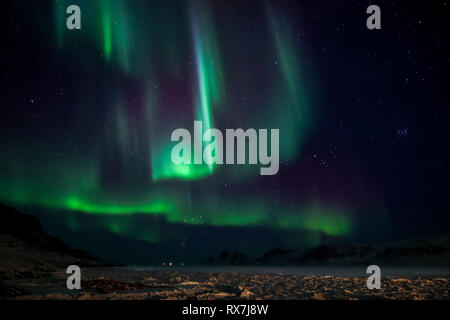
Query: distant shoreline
[313, 270]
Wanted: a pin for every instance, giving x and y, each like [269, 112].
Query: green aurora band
[166, 194]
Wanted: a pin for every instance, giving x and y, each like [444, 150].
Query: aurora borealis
[87, 114]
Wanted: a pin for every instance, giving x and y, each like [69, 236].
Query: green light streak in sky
[208, 58]
[210, 86]
[123, 38]
[106, 28]
[115, 18]
[204, 111]
[164, 168]
[291, 110]
[209, 75]
[115, 33]
[153, 207]
[60, 20]
[316, 218]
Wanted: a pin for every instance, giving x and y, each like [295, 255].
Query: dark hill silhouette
[26, 250]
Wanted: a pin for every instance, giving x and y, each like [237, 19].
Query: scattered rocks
[246, 294]
[118, 284]
[189, 283]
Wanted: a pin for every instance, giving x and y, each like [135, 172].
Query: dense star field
[86, 117]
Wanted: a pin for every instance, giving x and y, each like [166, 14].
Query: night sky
[86, 117]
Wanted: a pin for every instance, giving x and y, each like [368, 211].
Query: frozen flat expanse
[336, 271]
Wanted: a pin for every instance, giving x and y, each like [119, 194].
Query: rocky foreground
[124, 284]
[33, 265]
